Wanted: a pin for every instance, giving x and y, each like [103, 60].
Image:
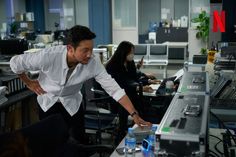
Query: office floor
[171, 69]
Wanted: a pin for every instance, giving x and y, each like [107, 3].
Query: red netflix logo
[219, 20]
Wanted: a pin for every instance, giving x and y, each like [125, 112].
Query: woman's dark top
[128, 79]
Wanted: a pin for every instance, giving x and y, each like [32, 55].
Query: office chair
[140, 51]
[48, 138]
[100, 115]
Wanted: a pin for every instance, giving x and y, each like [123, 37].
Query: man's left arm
[127, 104]
[114, 90]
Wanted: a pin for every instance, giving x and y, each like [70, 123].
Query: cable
[227, 129]
[220, 140]
[216, 137]
[216, 155]
[218, 149]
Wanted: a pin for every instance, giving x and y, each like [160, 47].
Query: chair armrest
[97, 91]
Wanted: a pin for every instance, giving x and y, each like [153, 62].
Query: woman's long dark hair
[117, 60]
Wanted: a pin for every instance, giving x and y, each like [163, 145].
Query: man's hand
[140, 122]
[34, 86]
[154, 81]
[150, 76]
[147, 89]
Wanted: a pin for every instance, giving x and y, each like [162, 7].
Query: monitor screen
[13, 46]
[59, 34]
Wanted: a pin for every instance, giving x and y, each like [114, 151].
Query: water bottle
[152, 141]
[130, 143]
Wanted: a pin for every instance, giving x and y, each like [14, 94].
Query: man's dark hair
[78, 33]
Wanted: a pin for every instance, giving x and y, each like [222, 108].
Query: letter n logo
[219, 20]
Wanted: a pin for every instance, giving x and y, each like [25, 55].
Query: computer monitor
[11, 47]
[60, 34]
[30, 36]
[229, 51]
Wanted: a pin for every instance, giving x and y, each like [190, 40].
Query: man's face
[83, 51]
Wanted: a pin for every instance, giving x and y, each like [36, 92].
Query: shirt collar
[64, 59]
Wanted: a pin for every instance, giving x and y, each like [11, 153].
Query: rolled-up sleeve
[110, 85]
[27, 62]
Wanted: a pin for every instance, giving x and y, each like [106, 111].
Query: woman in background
[122, 68]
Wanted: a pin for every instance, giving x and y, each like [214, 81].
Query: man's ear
[70, 48]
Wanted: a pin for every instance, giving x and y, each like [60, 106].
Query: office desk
[212, 142]
[122, 144]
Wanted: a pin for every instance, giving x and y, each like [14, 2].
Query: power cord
[216, 148]
[227, 129]
[215, 155]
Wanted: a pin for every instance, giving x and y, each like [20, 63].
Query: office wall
[82, 13]
[69, 13]
[8, 8]
[181, 8]
[148, 12]
[52, 11]
[19, 6]
[169, 5]
[151, 11]
[124, 26]
[3, 13]
[66, 13]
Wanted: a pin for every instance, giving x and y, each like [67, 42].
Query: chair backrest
[140, 50]
[157, 52]
[46, 137]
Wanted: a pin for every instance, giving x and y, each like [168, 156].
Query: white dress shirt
[52, 66]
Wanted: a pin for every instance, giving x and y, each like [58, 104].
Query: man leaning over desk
[62, 71]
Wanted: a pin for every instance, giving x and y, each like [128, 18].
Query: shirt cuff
[119, 94]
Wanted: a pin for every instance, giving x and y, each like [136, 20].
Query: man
[62, 72]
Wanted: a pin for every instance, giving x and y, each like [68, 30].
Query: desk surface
[122, 144]
[212, 142]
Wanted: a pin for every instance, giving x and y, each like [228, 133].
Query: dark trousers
[75, 122]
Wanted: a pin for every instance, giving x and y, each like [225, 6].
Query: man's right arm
[33, 85]
[22, 63]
